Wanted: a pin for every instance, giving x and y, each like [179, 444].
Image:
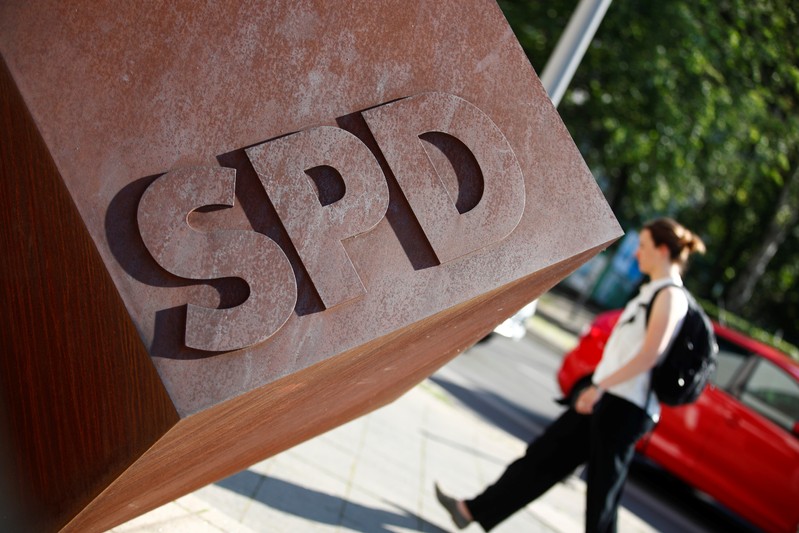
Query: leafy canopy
[689, 109]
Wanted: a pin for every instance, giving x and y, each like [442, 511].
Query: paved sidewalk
[376, 473]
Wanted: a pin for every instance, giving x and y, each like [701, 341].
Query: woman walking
[608, 417]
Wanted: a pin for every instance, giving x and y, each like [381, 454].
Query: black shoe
[451, 505]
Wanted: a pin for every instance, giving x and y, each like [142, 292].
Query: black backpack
[686, 368]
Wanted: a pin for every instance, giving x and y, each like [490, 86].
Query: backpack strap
[657, 291]
[650, 393]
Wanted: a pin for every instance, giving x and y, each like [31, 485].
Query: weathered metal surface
[301, 209]
[191, 254]
[399, 129]
[318, 229]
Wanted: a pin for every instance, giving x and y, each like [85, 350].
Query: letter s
[180, 249]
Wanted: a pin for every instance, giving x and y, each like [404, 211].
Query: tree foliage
[690, 108]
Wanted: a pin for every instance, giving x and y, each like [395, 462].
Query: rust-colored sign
[318, 228]
[230, 228]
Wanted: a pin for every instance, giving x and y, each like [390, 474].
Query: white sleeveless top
[625, 342]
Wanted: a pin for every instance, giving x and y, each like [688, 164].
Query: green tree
[689, 108]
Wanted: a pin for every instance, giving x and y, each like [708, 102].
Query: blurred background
[688, 109]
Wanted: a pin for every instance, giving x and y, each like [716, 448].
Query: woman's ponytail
[680, 241]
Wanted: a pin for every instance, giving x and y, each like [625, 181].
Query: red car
[739, 442]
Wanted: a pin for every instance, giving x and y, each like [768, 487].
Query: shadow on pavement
[508, 416]
[473, 452]
[323, 508]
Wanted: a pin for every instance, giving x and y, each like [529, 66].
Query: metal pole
[571, 47]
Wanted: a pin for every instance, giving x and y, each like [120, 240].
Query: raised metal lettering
[317, 230]
[188, 253]
[398, 128]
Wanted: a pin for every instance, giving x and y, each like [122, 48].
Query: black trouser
[606, 440]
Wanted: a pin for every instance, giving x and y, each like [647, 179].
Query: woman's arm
[667, 311]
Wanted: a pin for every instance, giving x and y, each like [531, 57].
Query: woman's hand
[587, 399]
